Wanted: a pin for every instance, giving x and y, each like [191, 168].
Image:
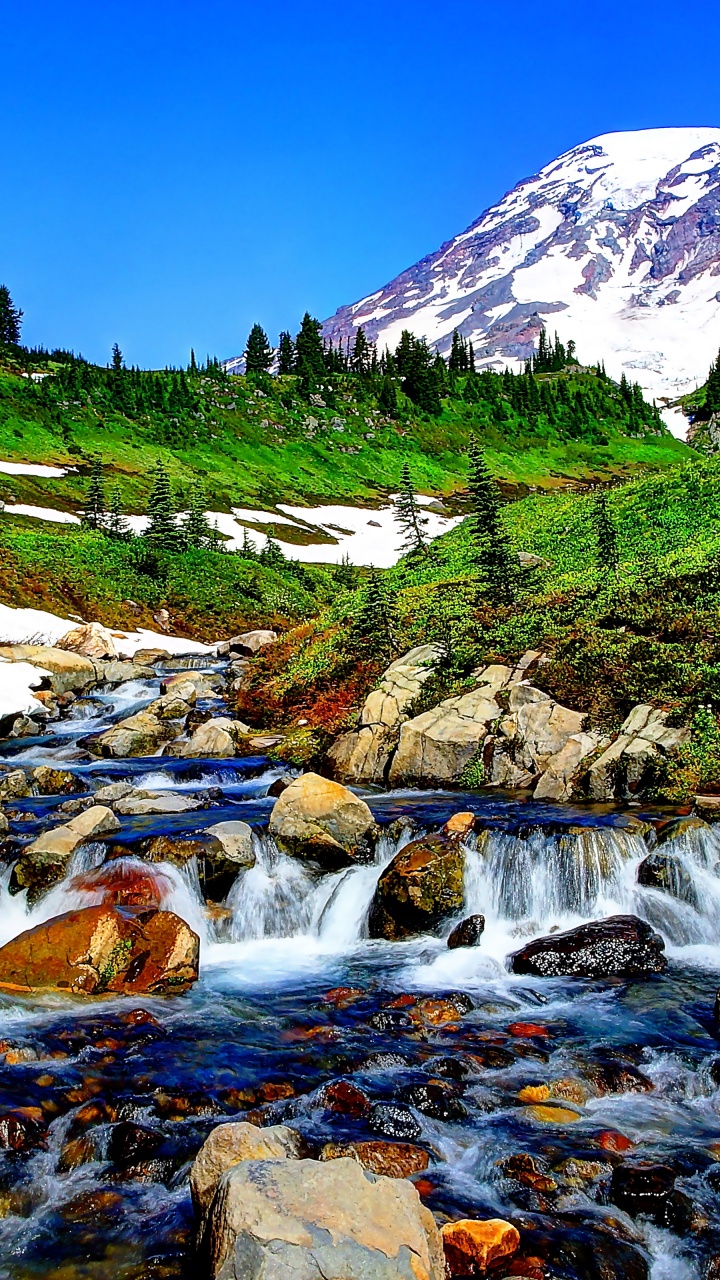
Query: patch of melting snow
[40, 513]
[33, 469]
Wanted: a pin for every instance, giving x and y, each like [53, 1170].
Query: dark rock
[384, 1062]
[643, 1189]
[21, 1130]
[676, 827]
[177, 1106]
[389, 1020]
[451, 1068]
[612, 1076]
[621, 946]
[344, 1097]
[392, 1120]
[420, 889]
[664, 871]
[280, 784]
[131, 1144]
[438, 1101]
[467, 933]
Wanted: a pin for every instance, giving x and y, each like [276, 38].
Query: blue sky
[172, 172]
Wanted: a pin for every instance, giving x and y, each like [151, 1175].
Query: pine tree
[372, 632]
[408, 515]
[161, 529]
[95, 505]
[471, 358]
[387, 398]
[196, 528]
[248, 550]
[360, 360]
[118, 363]
[286, 354]
[271, 554]
[712, 390]
[606, 537]
[310, 361]
[258, 352]
[10, 319]
[345, 574]
[116, 526]
[458, 361]
[193, 362]
[491, 545]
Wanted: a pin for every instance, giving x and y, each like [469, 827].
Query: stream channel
[256, 1035]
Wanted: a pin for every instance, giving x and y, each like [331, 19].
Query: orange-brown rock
[344, 1097]
[21, 1131]
[471, 1245]
[421, 887]
[102, 949]
[123, 884]
[459, 826]
[392, 1159]
[610, 1140]
[343, 997]
[76, 1152]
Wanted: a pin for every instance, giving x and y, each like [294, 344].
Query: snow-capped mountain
[615, 244]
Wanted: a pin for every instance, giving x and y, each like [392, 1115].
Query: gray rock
[236, 841]
[322, 821]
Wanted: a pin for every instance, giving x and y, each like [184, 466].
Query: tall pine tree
[258, 352]
[491, 545]
[310, 360]
[372, 633]
[712, 390]
[286, 354]
[408, 515]
[161, 529]
[116, 526]
[605, 536]
[95, 504]
[10, 319]
[196, 528]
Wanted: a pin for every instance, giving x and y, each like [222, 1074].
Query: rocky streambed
[504, 1005]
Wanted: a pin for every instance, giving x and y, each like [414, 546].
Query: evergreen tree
[258, 352]
[286, 354]
[387, 398]
[458, 361]
[605, 535]
[408, 515]
[491, 545]
[345, 573]
[248, 550]
[118, 364]
[372, 632]
[712, 390]
[416, 366]
[95, 505]
[161, 529]
[271, 554]
[196, 528]
[471, 357]
[10, 319]
[361, 355]
[116, 526]
[310, 361]
[193, 362]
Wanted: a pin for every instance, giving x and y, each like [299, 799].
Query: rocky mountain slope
[616, 244]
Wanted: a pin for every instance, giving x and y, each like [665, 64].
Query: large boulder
[227, 1145]
[140, 735]
[420, 889]
[436, 746]
[540, 743]
[55, 782]
[215, 738]
[91, 639]
[103, 949]
[621, 946]
[44, 862]
[247, 644]
[322, 821]
[236, 842]
[363, 755]
[307, 1219]
[644, 739]
[67, 672]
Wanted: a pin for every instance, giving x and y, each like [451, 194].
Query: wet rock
[384, 1062]
[43, 862]
[528, 1171]
[611, 1140]
[391, 1159]
[92, 640]
[94, 1206]
[227, 1145]
[454, 1068]
[309, 1218]
[151, 657]
[622, 946]
[130, 1144]
[459, 826]
[612, 1076]
[472, 1245]
[236, 842]
[119, 672]
[103, 949]
[644, 1189]
[90, 1114]
[676, 827]
[344, 1097]
[665, 871]
[14, 785]
[467, 933]
[178, 1106]
[71, 808]
[388, 1020]
[4, 825]
[139, 735]
[123, 883]
[394, 1120]
[215, 738]
[163, 802]
[318, 820]
[434, 1099]
[112, 792]
[22, 1130]
[76, 1152]
[67, 672]
[55, 782]
[343, 997]
[205, 683]
[421, 888]
[281, 784]
[552, 1113]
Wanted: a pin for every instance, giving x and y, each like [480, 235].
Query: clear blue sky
[172, 172]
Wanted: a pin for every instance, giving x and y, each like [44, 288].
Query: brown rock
[67, 671]
[227, 1145]
[138, 735]
[471, 1245]
[459, 826]
[345, 1098]
[21, 1131]
[123, 884]
[467, 933]
[390, 1159]
[422, 887]
[76, 1152]
[92, 640]
[44, 861]
[93, 1206]
[101, 949]
[54, 782]
[14, 785]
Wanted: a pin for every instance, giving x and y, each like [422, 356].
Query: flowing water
[258, 1036]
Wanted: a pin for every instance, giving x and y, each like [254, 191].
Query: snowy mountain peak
[615, 244]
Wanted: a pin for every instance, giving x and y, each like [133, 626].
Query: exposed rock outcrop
[103, 949]
[621, 946]
[421, 888]
[643, 740]
[363, 755]
[322, 821]
[138, 735]
[216, 738]
[67, 671]
[227, 1145]
[247, 644]
[44, 861]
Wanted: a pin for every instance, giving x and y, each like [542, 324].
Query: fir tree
[310, 361]
[95, 505]
[345, 574]
[372, 632]
[286, 354]
[116, 526]
[387, 397]
[196, 528]
[361, 355]
[258, 352]
[408, 515]
[161, 529]
[491, 545]
[605, 535]
[193, 362]
[712, 390]
[248, 550]
[471, 358]
[118, 363]
[458, 361]
[10, 319]
[271, 554]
